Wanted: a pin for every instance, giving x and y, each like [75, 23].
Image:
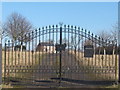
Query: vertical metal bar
[79, 53]
[97, 52]
[53, 49]
[42, 47]
[72, 50]
[36, 55]
[60, 68]
[68, 51]
[25, 53]
[10, 59]
[39, 55]
[5, 63]
[18, 53]
[76, 66]
[114, 59]
[8, 62]
[119, 65]
[1, 64]
[26, 64]
[92, 63]
[109, 60]
[82, 51]
[29, 53]
[106, 68]
[56, 56]
[88, 35]
[15, 55]
[115, 63]
[44, 60]
[75, 47]
[50, 60]
[102, 57]
[85, 32]
[21, 52]
[65, 50]
[49, 52]
[119, 38]
[12, 56]
[32, 58]
[95, 57]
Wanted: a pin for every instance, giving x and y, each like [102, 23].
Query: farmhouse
[46, 47]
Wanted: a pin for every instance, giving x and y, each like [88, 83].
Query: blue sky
[93, 16]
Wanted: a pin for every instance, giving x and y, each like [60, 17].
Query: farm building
[46, 47]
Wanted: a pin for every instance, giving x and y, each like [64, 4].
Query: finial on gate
[60, 23]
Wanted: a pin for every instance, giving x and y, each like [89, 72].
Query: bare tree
[16, 27]
[88, 42]
[1, 33]
[105, 35]
[65, 40]
[114, 32]
[111, 35]
[74, 42]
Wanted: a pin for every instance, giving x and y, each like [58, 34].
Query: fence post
[0, 63]
[60, 68]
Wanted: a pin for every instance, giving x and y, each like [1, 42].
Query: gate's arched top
[68, 29]
[74, 30]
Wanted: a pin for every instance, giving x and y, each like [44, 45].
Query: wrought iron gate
[60, 56]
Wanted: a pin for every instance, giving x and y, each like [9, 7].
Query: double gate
[60, 55]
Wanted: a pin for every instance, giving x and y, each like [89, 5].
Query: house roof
[46, 44]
